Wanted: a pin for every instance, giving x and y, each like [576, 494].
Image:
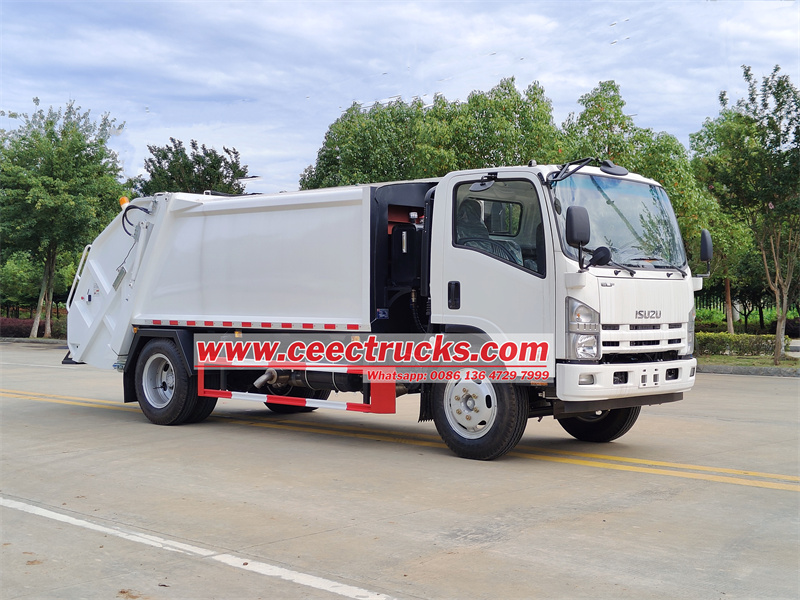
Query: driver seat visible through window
[471, 232]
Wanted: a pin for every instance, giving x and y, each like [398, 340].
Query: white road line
[239, 562]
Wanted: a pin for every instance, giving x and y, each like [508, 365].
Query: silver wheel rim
[470, 407]
[158, 381]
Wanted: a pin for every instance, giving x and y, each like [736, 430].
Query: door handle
[454, 295]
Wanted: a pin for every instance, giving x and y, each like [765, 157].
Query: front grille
[650, 338]
[641, 357]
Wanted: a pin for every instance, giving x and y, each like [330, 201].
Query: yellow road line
[71, 402]
[39, 395]
[654, 471]
[658, 463]
[586, 459]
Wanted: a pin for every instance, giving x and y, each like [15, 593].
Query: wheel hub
[470, 406]
[158, 381]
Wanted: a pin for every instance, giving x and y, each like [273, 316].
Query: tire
[477, 419]
[294, 392]
[204, 407]
[603, 426]
[166, 392]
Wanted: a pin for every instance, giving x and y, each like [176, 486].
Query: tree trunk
[48, 310]
[46, 291]
[37, 317]
[728, 304]
[781, 314]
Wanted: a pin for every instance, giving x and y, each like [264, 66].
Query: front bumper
[581, 382]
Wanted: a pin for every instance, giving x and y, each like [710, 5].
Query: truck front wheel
[479, 419]
[602, 426]
[165, 390]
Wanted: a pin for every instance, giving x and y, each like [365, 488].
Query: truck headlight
[583, 331]
[690, 331]
[583, 347]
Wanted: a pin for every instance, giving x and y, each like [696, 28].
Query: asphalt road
[701, 499]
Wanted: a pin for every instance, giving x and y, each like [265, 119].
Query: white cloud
[269, 77]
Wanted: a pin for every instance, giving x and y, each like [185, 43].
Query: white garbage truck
[492, 295]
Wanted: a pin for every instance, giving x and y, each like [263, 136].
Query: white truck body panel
[206, 259]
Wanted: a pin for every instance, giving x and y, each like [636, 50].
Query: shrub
[709, 315]
[21, 328]
[738, 344]
[708, 327]
[792, 327]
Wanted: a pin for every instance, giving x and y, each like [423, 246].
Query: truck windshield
[633, 219]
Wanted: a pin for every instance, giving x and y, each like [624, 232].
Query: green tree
[503, 127]
[750, 286]
[750, 157]
[19, 281]
[58, 188]
[603, 130]
[367, 146]
[172, 169]
[408, 141]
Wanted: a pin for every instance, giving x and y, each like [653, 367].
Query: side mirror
[578, 228]
[706, 246]
[706, 250]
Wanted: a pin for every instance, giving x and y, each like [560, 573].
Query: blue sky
[268, 78]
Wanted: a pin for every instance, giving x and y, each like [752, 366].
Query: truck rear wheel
[479, 419]
[165, 390]
[602, 426]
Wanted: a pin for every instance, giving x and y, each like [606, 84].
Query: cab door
[491, 255]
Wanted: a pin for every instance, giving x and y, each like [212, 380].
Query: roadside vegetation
[60, 183]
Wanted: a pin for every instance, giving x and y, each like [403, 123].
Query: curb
[33, 341]
[758, 371]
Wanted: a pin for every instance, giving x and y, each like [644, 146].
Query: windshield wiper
[565, 171]
[666, 265]
[606, 166]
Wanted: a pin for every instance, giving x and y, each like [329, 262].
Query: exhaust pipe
[315, 380]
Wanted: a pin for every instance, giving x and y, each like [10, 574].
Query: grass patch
[746, 361]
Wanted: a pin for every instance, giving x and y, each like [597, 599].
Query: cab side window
[502, 219]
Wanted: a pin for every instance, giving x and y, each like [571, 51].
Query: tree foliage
[409, 141]
[749, 157]
[172, 169]
[19, 279]
[58, 186]
[604, 131]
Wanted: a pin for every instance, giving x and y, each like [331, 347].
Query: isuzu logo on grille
[648, 314]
